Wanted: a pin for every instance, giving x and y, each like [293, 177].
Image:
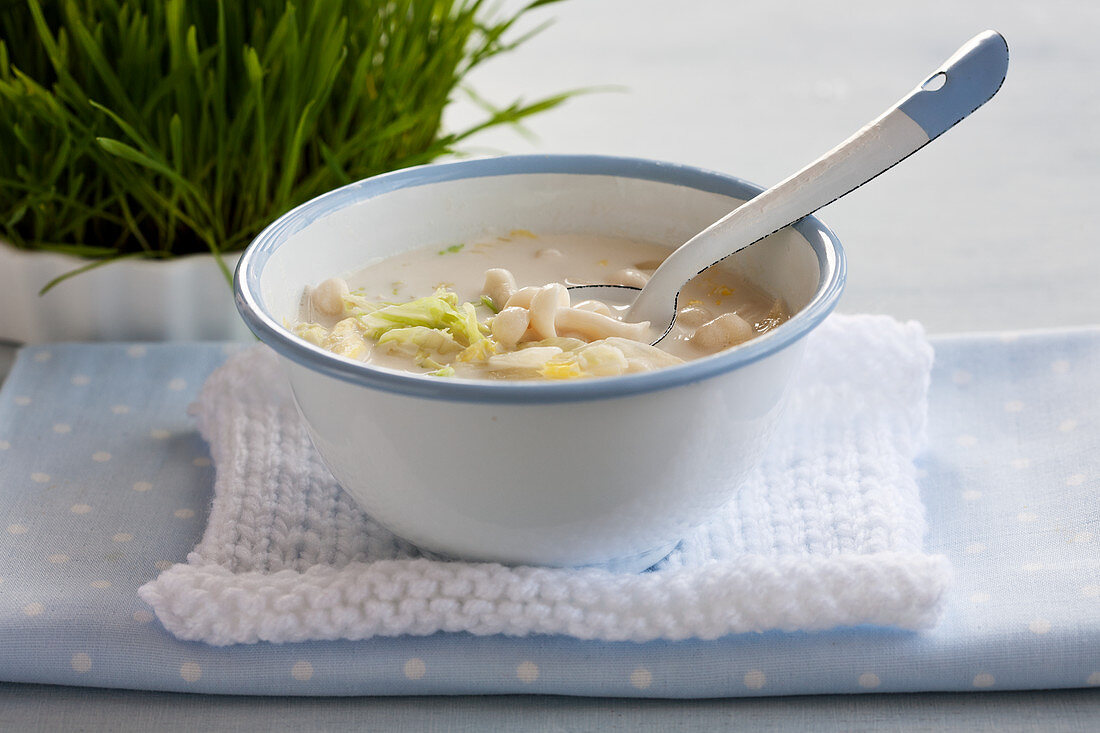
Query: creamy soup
[500, 308]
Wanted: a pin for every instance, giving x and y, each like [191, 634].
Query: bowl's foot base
[630, 564]
[637, 563]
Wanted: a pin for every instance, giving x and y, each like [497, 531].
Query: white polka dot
[183, 513]
[120, 409]
[4, 445]
[415, 668]
[1014, 406]
[33, 609]
[1075, 480]
[1059, 367]
[962, 377]
[201, 462]
[80, 509]
[754, 679]
[302, 671]
[123, 537]
[160, 434]
[974, 548]
[641, 678]
[62, 428]
[162, 565]
[983, 680]
[1031, 567]
[979, 598]
[142, 617]
[42, 356]
[80, 380]
[190, 671]
[17, 529]
[177, 384]
[1090, 591]
[142, 486]
[869, 680]
[135, 351]
[1020, 463]
[58, 558]
[81, 662]
[1094, 679]
[40, 478]
[527, 672]
[971, 495]
[1039, 626]
[22, 400]
[966, 441]
[1082, 538]
[1026, 517]
[1067, 426]
[100, 584]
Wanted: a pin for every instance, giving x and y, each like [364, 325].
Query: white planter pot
[185, 299]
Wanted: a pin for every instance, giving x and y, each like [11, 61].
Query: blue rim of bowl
[250, 267]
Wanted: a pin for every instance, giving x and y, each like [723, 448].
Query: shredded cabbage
[642, 357]
[356, 304]
[564, 343]
[479, 351]
[314, 333]
[346, 339]
[413, 339]
[440, 312]
[597, 359]
[524, 362]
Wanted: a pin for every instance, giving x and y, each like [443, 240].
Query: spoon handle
[962, 84]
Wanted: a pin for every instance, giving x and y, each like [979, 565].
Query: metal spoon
[962, 84]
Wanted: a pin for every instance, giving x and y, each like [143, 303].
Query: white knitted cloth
[826, 533]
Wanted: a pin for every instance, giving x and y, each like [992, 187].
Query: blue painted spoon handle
[963, 83]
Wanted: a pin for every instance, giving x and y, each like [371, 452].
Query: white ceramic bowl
[607, 471]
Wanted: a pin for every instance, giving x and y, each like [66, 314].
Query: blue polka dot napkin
[104, 484]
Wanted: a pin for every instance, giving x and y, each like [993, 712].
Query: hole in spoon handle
[935, 82]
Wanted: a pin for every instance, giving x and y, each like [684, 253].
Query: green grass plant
[156, 128]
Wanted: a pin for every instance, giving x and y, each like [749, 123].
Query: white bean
[594, 326]
[629, 276]
[328, 297]
[500, 285]
[521, 298]
[693, 316]
[728, 329]
[548, 254]
[595, 306]
[544, 308]
[509, 325]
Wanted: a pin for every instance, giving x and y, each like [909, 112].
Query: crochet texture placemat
[826, 533]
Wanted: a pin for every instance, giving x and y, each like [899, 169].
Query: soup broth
[499, 308]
